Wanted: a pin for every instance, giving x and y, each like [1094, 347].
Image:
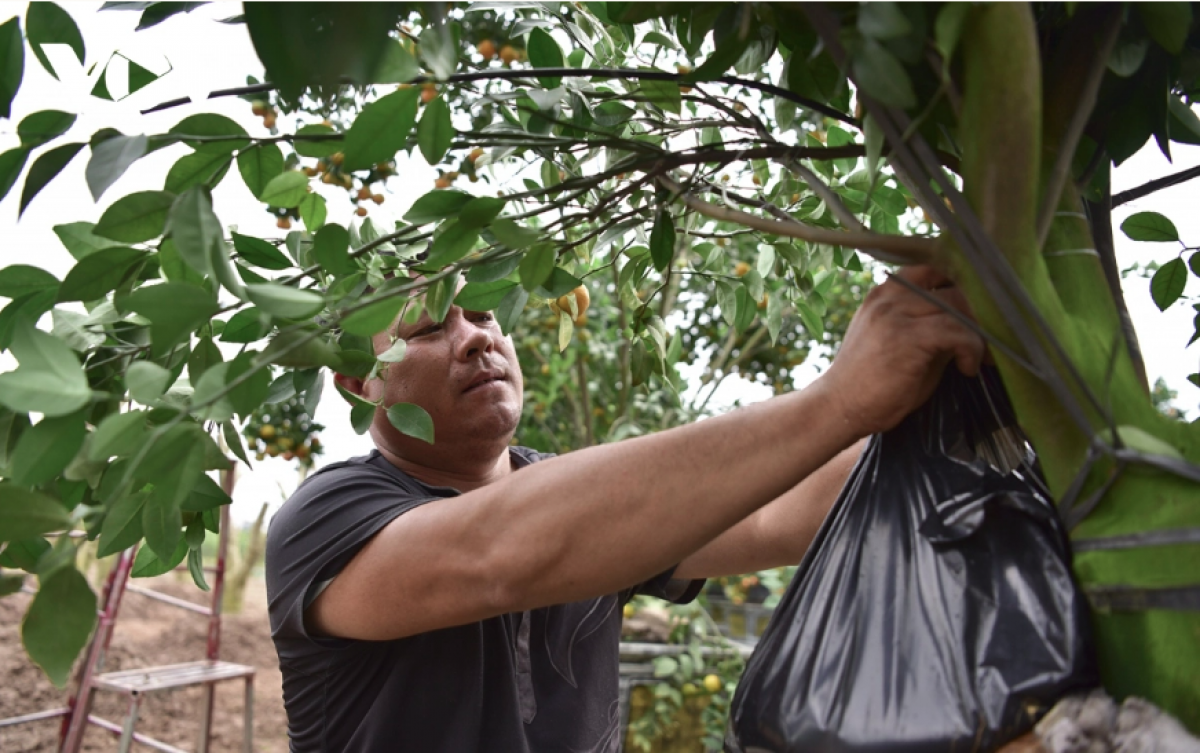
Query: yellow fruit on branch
[486, 49]
[712, 683]
[336, 158]
[741, 268]
[509, 54]
[583, 299]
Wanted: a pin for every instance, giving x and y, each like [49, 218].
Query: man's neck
[465, 474]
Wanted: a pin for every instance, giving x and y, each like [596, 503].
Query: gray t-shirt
[532, 682]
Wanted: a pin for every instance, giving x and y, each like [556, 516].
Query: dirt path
[150, 633]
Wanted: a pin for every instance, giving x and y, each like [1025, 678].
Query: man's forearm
[602, 519]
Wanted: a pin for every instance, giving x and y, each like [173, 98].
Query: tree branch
[1157, 184]
[508, 74]
[894, 249]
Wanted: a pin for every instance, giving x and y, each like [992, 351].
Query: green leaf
[208, 494]
[49, 379]
[398, 66]
[665, 94]
[204, 356]
[196, 169]
[483, 296]
[147, 381]
[560, 283]
[11, 164]
[100, 273]
[479, 212]
[195, 562]
[662, 239]
[119, 434]
[362, 415]
[380, 130]
[247, 392]
[110, 159]
[46, 449]
[59, 621]
[300, 349]
[882, 75]
[175, 310]
[1126, 58]
[40, 127]
[44, 170]
[435, 132]
[1167, 23]
[725, 55]
[211, 125]
[12, 63]
[1150, 226]
[25, 553]
[438, 49]
[373, 318]
[258, 252]
[194, 228]
[147, 564]
[411, 420]
[286, 189]
[497, 268]
[439, 297]
[47, 23]
[437, 205]
[246, 326]
[317, 148]
[395, 353]
[122, 526]
[331, 249]
[544, 53]
[882, 20]
[312, 211]
[454, 242]
[508, 313]
[136, 218]
[22, 279]
[284, 301]
[259, 166]
[79, 239]
[1168, 283]
[537, 265]
[512, 235]
[25, 513]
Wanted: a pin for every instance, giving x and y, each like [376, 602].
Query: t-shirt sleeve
[665, 586]
[316, 534]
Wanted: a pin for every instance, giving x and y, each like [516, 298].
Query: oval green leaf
[1168, 283]
[411, 420]
[285, 302]
[25, 513]
[435, 132]
[380, 130]
[47, 23]
[437, 205]
[100, 273]
[136, 218]
[286, 189]
[1150, 226]
[39, 127]
[259, 166]
[45, 168]
[58, 623]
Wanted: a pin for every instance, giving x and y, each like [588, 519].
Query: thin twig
[1158, 184]
[894, 249]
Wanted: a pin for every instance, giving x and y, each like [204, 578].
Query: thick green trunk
[1009, 147]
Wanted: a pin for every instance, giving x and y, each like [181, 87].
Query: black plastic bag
[935, 610]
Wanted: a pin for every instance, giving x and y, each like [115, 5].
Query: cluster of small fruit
[265, 111]
[445, 179]
[507, 53]
[330, 172]
[284, 430]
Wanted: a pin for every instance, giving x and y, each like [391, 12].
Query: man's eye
[431, 329]
[484, 316]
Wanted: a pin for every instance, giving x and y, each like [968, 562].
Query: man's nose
[471, 340]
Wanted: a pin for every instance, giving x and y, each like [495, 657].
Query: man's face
[463, 371]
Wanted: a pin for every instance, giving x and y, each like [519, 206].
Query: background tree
[639, 135]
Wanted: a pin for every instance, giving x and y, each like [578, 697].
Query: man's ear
[350, 384]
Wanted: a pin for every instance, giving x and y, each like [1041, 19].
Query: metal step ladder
[135, 684]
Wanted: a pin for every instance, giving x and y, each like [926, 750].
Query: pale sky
[206, 55]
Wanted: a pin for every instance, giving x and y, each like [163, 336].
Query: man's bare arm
[602, 519]
[778, 534]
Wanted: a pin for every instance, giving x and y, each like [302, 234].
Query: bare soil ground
[150, 633]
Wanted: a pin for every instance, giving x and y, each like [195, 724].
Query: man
[462, 596]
